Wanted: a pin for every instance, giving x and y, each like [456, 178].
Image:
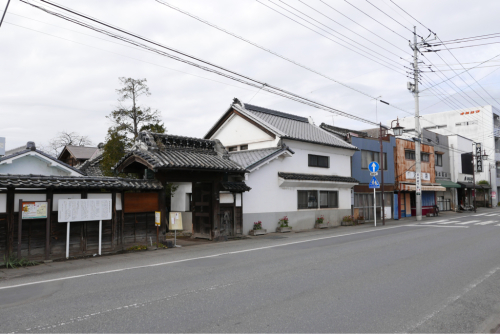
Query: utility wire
[377, 21]
[370, 31]
[260, 47]
[390, 17]
[213, 69]
[363, 55]
[328, 17]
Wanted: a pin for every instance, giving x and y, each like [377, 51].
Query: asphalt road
[440, 276]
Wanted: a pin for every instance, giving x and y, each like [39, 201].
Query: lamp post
[398, 131]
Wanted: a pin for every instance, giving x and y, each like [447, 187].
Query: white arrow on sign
[374, 167]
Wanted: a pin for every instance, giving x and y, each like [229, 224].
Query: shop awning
[484, 186]
[412, 187]
[448, 184]
[468, 185]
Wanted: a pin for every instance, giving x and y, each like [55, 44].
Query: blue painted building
[369, 150]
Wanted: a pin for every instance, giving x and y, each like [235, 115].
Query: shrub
[320, 220]
[257, 225]
[137, 248]
[13, 262]
[283, 222]
[347, 219]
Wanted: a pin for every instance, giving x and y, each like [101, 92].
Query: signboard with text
[78, 210]
[34, 210]
[418, 184]
[479, 159]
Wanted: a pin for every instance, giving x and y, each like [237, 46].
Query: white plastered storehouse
[295, 168]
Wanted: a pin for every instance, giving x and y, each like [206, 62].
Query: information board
[34, 210]
[175, 221]
[157, 218]
[79, 210]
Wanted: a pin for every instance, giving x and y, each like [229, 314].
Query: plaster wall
[238, 131]
[31, 163]
[268, 202]
[180, 201]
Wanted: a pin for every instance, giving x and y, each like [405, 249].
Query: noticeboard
[175, 222]
[34, 210]
[78, 210]
[157, 218]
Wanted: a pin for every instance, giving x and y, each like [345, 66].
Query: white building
[295, 168]
[479, 124]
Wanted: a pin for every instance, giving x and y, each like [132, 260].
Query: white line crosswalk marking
[491, 215]
[433, 222]
[487, 222]
[480, 214]
[469, 222]
[449, 222]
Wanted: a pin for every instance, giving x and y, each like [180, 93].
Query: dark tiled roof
[341, 131]
[250, 157]
[92, 167]
[81, 152]
[297, 128]
[168, 151]
[18, 153]
[76, 182]
[235, 186]
[315, 177]
[276, 113]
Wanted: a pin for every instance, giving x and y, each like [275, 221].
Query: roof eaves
[352, 147]
[269, 157]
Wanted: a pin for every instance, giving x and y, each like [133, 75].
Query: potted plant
[320, 222]
[361, 219]
[283, 225]
[257, 229]
[347, 221]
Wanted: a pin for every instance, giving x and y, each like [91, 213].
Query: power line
[213, 69]
[370, 31]
[363, 55]
[376, 20]
[258, 46]
[468, 46]
[390, 17]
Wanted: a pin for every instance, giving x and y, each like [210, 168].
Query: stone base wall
[299, 220]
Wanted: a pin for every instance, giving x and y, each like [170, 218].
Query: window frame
[307, 194]
[412, 153]
[328, 192]
[372, 158]
[309, 156]
[437, 158]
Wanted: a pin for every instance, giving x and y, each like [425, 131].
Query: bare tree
[65, 138]
[132, 117]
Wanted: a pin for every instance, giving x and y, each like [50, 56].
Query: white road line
[449, 222]
[491, 215]
[487, 222]
[469, 222]
[437, 226]
[433, 222]
[195, 258]
[481, 214]
[452, 299]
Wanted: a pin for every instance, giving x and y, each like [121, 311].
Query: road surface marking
[452, 299]
[433, 226]
[491, 215]
[195, 258]
[469, 222]
[487, 222]
[481, 214]
[433, 222]
[449, 222]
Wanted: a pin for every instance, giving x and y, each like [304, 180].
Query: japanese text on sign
[77, 210]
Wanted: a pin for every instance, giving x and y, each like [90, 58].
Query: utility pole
[418, 165]
[382, 175]
[4, 12]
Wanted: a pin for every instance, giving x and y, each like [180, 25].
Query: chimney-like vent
[31, 146]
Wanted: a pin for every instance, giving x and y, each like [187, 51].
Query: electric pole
[418, 165]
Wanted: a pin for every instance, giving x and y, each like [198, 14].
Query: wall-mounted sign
[469, 112]
[493, 194]
[411, 175]
[418, 184]
[34, 210]
[479, 158]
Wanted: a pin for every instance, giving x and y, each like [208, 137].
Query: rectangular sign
[2, 145]
[34, 210]
[175, 221]
[479, 158]
[411, 175]
[157, 218]
[79, 210]
[418, 184]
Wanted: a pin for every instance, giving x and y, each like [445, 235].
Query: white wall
[267, 196]
[238, 131]
[3, 203]
[33, 163]
[179, 201]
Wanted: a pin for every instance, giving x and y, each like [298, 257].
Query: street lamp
[398, 131]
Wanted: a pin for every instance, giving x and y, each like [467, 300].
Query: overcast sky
[55, 75]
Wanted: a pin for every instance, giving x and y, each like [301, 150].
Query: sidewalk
[199, 247]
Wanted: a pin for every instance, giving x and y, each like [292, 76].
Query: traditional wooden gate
[202, 210]
[226, 215]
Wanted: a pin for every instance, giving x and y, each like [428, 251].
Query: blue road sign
[374, 184]
[373, 166]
